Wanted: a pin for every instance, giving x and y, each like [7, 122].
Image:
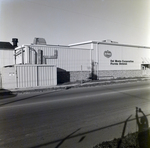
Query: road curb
[75, 85]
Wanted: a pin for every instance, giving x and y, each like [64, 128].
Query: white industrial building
[23, 75]
[80, 61]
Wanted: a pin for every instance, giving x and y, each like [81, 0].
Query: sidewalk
[73, 85]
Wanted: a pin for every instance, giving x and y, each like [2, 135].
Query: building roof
[6, 45]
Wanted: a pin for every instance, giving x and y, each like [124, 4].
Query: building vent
[110, 41]
[15, 42]
[39, 41]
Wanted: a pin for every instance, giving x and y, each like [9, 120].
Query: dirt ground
[129, 141]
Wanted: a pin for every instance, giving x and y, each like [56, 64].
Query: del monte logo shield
[107, 54]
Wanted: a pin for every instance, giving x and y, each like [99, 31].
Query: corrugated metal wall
[25, 76]
[72, 59]
[99, 57]
[69, 59]
[46, 76]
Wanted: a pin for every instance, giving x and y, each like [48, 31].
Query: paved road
[74, 118]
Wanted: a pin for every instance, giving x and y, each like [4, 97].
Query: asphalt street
[73, 118]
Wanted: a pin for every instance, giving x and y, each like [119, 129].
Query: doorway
[145, 69]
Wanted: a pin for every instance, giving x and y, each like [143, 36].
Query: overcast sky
[71, 21]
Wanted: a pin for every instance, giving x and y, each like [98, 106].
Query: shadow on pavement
[25, 98]
[60, 141]
[5, 93]
[66, 138]
[123, 132]
[138, 139]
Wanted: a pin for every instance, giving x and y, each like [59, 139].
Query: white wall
[70, 59]
[6, 57]
[133, 55]
[26, 76]
[69, 21]
[123, 57]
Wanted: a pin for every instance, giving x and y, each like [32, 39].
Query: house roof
[6, 45]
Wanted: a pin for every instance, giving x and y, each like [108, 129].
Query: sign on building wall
[121, 62]
[112, 57]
